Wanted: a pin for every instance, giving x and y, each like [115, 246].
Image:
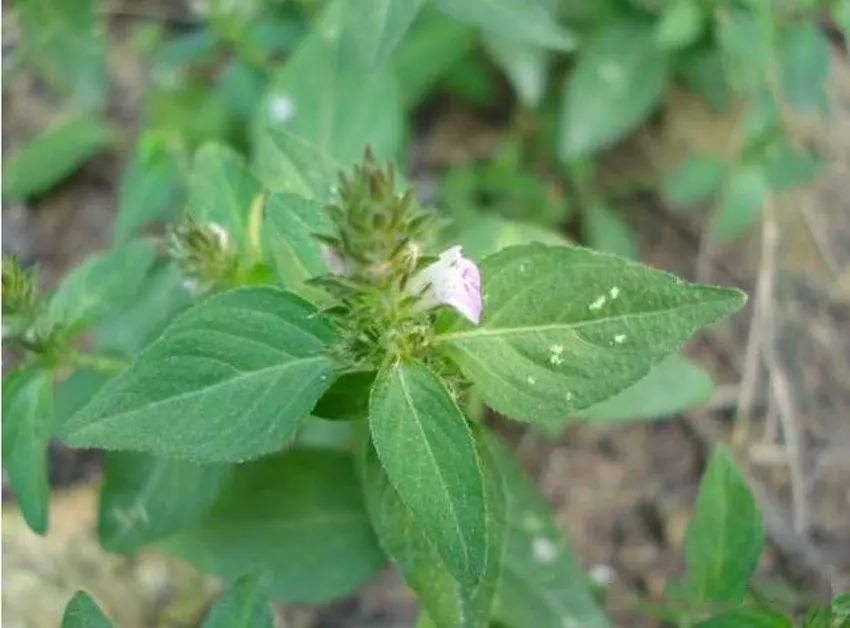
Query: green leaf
[761, 120]
[150, 189]
[231, 378]
[672, 386]
[433, 47]
[525, 65]
[75, 391]
[222, 190]
[471, 80]
[145, 498]
[747, 618]
[702, 72]
[27, 419]
[740, 202]
[725, 536]
[157, 300]
[46, 160]
[448, 602]
[187, 108]
[745, 48]
[840, 606]
[425, 445]
[241, 85]
[541, 584]
[65, 39]
[618, 79]
[243, 605]
[333, 101]
[694, 180]
[817, 616]
[379, 25]
[803, 57]
[681, 24]
[525, 21]
[102, 283]
[83, 612]
[290, 226]
[288, 163]
[347, 399]
[564, 328]
[604, 229]
[786, 167]
[175, 56]
[486, 234]
[299, 515]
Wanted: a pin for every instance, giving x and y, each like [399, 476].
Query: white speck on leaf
[598, 303]
[569, 396]
[531, 381]
[614, 292]
[281, 108]
[620, 338]
[555, 352]
[544, 550]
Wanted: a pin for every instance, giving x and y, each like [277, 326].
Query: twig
[723, 399]
[758, 325]
[705, 255]
[822, 243]
[771, 422]
[780, 382]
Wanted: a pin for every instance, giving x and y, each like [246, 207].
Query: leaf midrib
[440, 476]
[506, 331]
[197, 391]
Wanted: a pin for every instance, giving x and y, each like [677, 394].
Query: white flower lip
[220, 234]
[452, 280]
[333, 259]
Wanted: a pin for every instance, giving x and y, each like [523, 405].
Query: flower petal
[452, 280]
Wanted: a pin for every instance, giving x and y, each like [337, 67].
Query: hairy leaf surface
[231, 378]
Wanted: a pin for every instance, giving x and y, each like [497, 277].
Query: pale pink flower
[452, 280]
[333, 259]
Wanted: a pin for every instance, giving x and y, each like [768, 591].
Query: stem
[97, 362]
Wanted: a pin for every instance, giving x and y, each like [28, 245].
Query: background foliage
[270, 100]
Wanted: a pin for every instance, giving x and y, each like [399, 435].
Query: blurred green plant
[205, 380]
